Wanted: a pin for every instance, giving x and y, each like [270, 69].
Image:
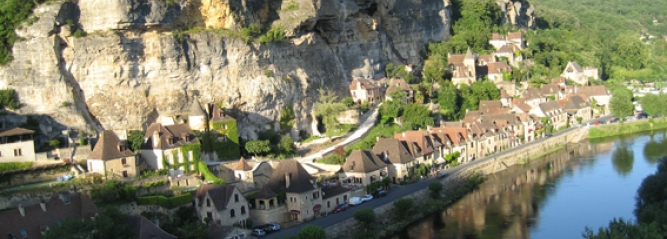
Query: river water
[557, 196]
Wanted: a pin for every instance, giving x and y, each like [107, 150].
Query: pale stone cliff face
[130, 68]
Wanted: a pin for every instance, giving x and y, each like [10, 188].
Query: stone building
[366, 90]
[17, 145]
[197, 119]
[225, 205]
[112, 157]
[303, 195]
[168, 145]
[396, 155]
[362, 168]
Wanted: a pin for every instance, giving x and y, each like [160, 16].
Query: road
[397, 192]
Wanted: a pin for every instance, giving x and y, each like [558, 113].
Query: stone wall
[276, 214]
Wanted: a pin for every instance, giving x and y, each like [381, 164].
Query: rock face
[132, 67]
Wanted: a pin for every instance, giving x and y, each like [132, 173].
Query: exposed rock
[131, 68]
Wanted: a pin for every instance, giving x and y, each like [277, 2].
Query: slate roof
[79, 206]
[220, 195]
[108, 147]
[575, 103]
[265, 193]
[362, 161]
[486, 105]
[596, 90]
[300, 180]
[15, 131]
[549, 107]
[573, 67]
[145, 229]
[174, 132]
[531, 93]
[395, 152]
[196, 110]
[242, 165]
[549, 89]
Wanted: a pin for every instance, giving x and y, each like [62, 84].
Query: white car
[355, 201]
[366, 198]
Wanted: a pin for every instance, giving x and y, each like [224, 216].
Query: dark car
[442, 175]
[379, 193]
[341, 207]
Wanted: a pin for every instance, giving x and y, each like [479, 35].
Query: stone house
[303, 195]
[487, 137]
[169, 145]
[225, 205]
[553, 111]
[505, 99]
[419, 144]
[574, 72]
[362, 167]
[496, 70]
[512, 125]
[452, 139]
[508, 87]
[224, 133]
[514, 38]
[366, 90]
[597, 95]
[112, 157]
[266, 208]
[552, 90]
[577, 107]
[462, 67]
[533, 97]
[400, 84]
[510, 52]
[33, 221]
[197, 117]
[396, 156]
[17, 145]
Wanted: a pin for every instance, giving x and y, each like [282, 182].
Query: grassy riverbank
[627, 128]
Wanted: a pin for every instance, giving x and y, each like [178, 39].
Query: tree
[136, 138]
[651, 104]
[286, 146]
[365, 216]
[621, 229]
[258, 146]
[621, 103]
[348, 101]
[403, 208]
[436, 188]
[8, 98]
[312, 232]
[449, 101]
[328, 108]
[286, 119]
[417, 116]
[108, 224]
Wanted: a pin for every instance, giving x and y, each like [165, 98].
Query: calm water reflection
[557, 196]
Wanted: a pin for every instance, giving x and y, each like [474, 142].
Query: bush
[331, 159]
[436, 188]
[403, 208]
[8, 96]
[4, 167]
[155, 184]
[268, 73]
[275, 34]
[83, 141]
[79, 33]
[209, 176]
[166, 202]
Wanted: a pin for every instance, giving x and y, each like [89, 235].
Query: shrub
[275, 34]
[8, 98]
[332, 159]
[436, 188]
[403, 208]
[79, 33]
[14, 166]
[83, 141]
[209, 176]
[268, 73]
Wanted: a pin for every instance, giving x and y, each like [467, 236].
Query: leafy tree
[348, 101]
[392, 109]
[620, 229]
[365, 216]
[403, 207]
[8, 96]
[136, 138]
[258, 147]
[621, 103]
[417, 116]
[436, 188]
[286, 146]
[328, 108]
[449, 100]
[398, 71]
[286, 119]
[108, 224]
[312, 232]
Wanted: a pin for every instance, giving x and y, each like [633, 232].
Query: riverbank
[617, 129]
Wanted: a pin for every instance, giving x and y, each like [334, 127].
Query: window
[345, 198]
[231, 213]
[328, 204]
[236, 198]
[316, 195]
[208, 202]
[123, 161]
[17, 152]
[124, 174]
[242, 210]
[209, 215]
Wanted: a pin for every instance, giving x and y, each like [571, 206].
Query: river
[556, 196]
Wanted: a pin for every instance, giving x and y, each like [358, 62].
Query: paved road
[400, 191]
[360, 132]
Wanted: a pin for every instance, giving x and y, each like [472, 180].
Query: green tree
[328, 108]
[8, 98]
[436, 188]
[136, 138]
[312, 232]
[348, 101]
[257, 147]
[403, 207]
[108, 224]
[449, 100]
[286, 119]
[417, 116]
[621, 103]
[286, 146]
[366, 216]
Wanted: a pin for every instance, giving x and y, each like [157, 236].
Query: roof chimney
[156, 138]
[22, 210]
[288, 178]
[377, 139]
[43, 205]
[403, 134]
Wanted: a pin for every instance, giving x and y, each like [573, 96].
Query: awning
[295, 211]
[317, 207]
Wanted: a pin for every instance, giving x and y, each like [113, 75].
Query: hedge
[166, 202]
[15, 166]
[209, 176]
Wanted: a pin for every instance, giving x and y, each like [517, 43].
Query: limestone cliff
[131, 68]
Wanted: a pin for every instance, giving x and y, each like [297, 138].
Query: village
[233, 195]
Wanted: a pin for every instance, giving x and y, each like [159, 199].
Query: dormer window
[121, 147]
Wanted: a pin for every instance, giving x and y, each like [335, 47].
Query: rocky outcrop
[132, 67]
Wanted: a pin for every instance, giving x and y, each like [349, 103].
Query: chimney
[43, 205]
[156, 138]
[377, 138]
[429, 128]
[145, 139]
[403, 134]
[22, 210]
[288, 177]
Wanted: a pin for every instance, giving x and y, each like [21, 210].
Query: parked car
[379, 193]
[442, 174]
[355, 201]
[258, 232]
[341, 207]
[366, 198]
[272, 226]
